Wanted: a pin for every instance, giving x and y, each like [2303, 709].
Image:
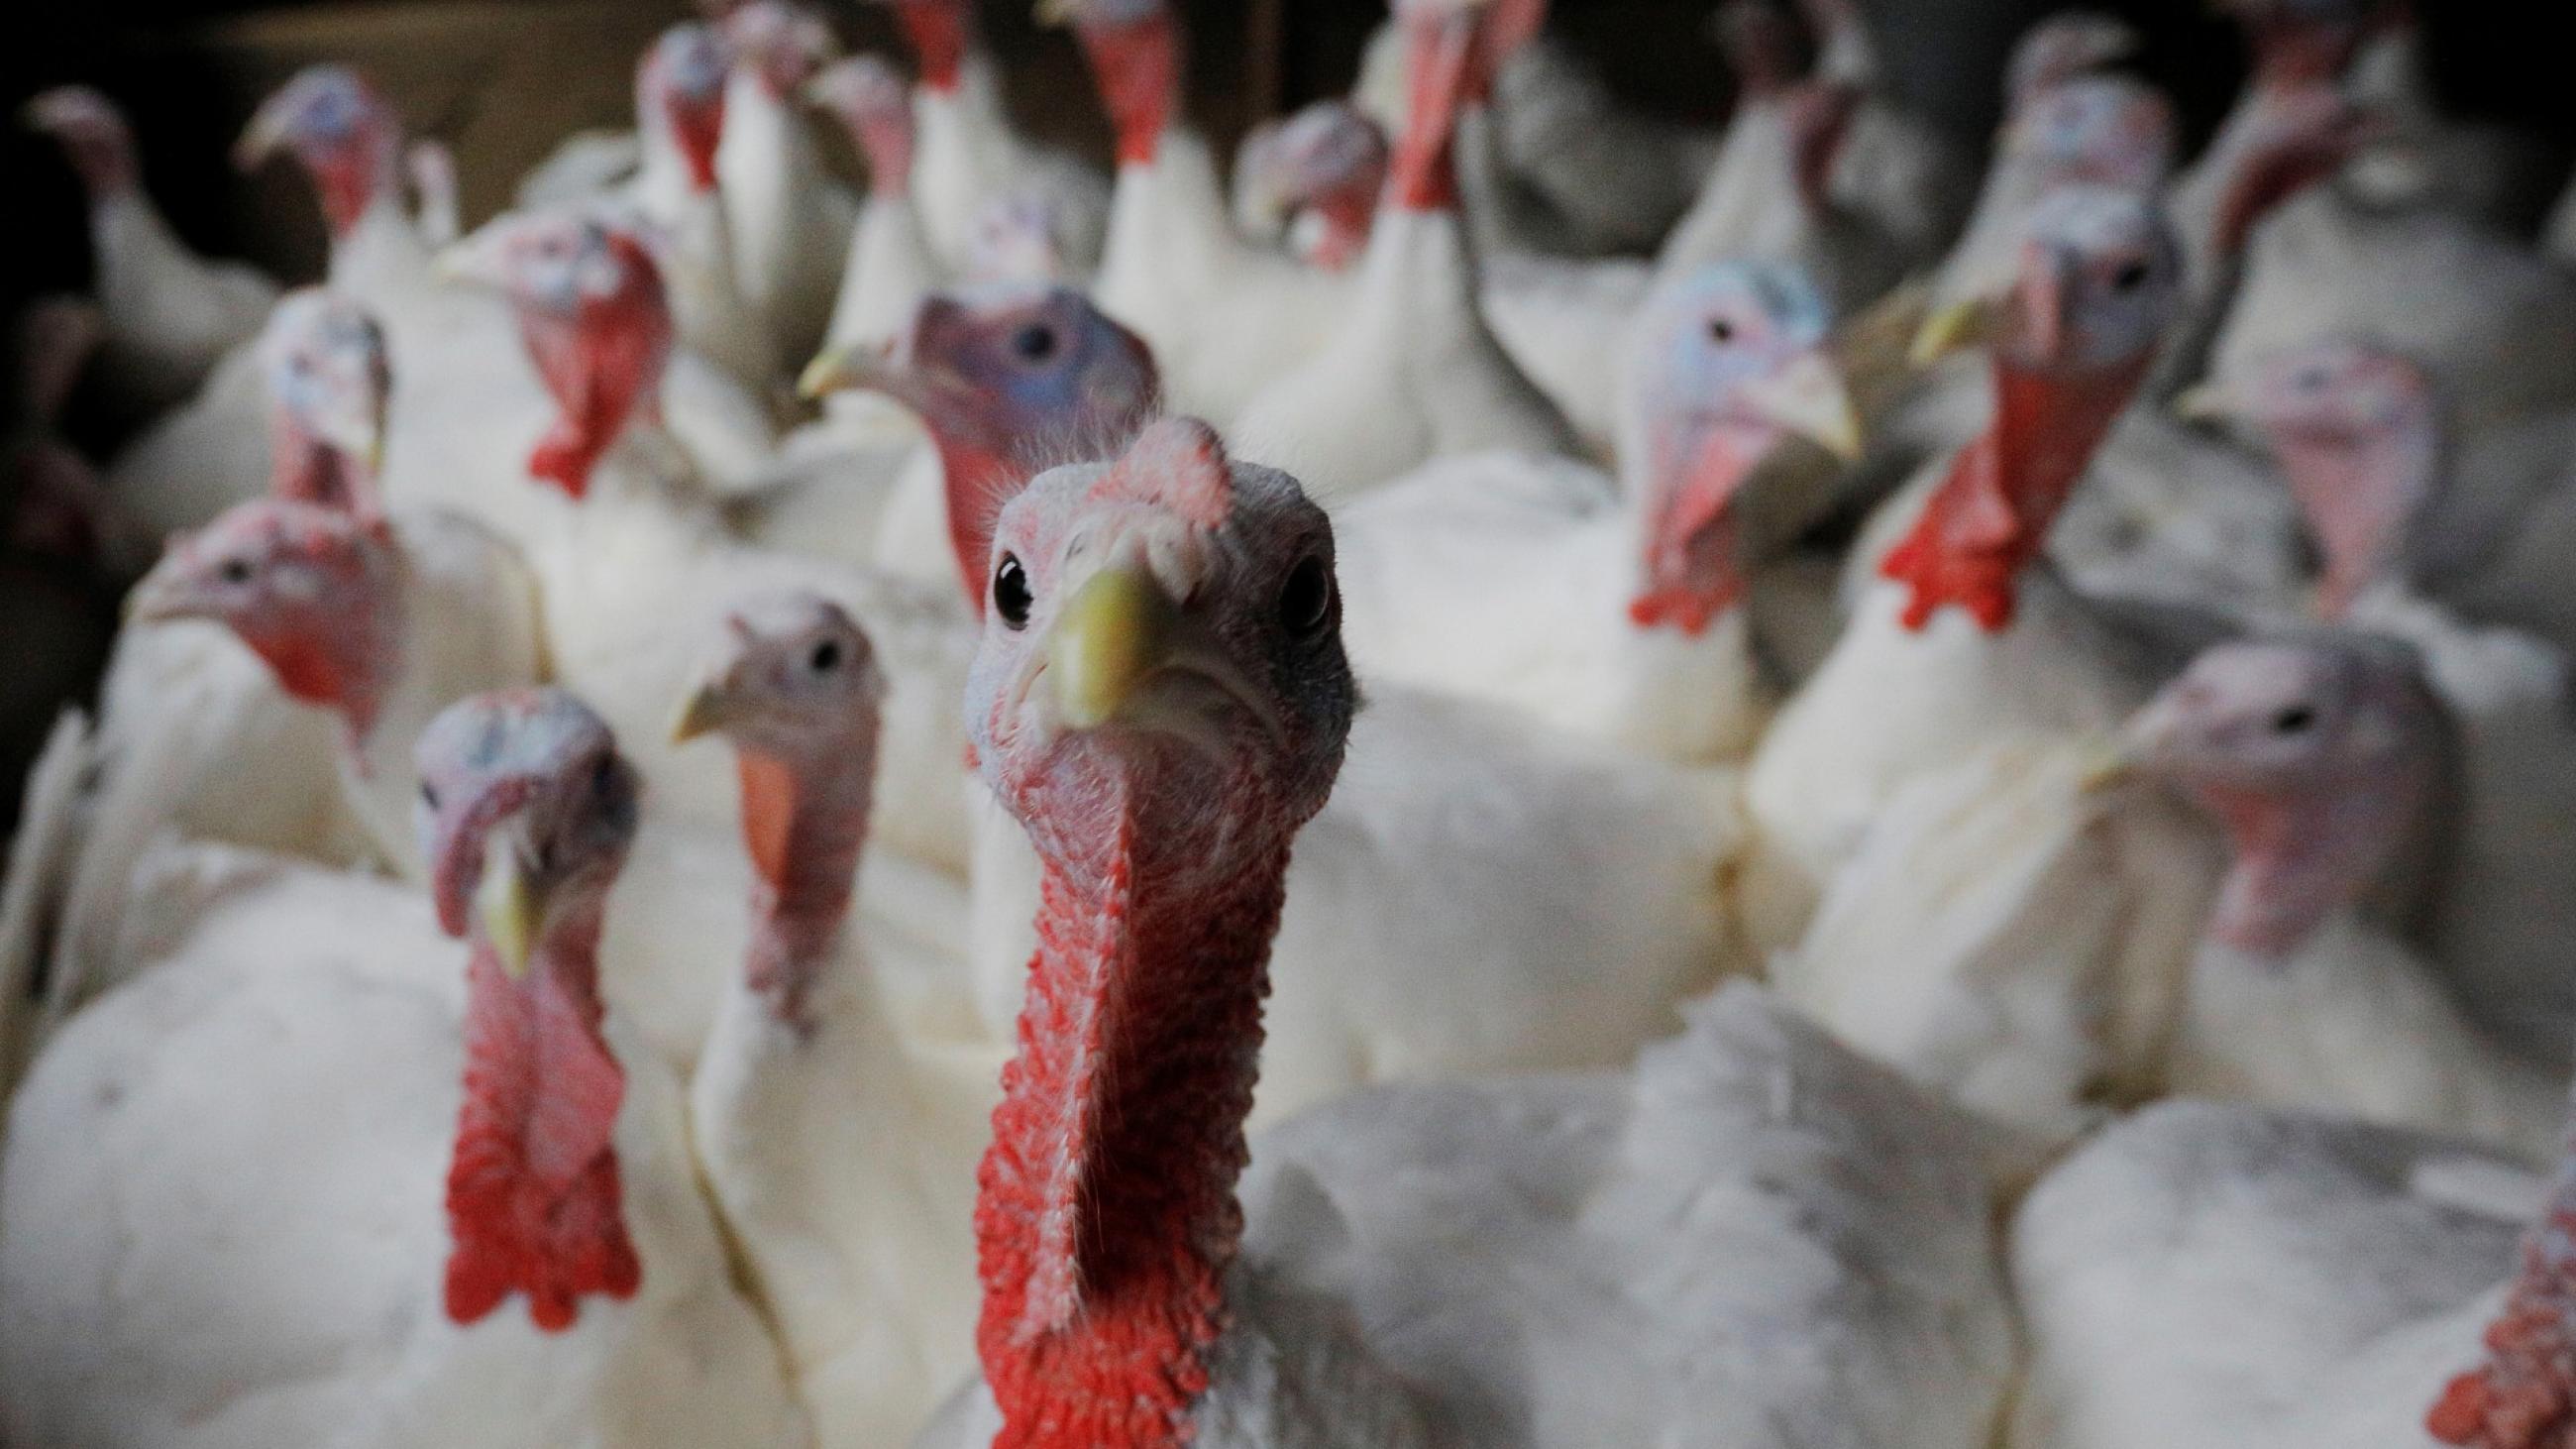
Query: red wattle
[1106, 1218]
[1991, 516]
[1137, 67]
[936, 30]
[533, 1197]
[2524, 1396]
[698, 128]
[346, 182]
[1439, 62]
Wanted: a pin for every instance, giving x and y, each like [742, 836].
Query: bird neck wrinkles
[806, 825]
[1106, 1218]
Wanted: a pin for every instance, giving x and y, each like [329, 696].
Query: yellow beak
[840, 369]
[702, 715]
[1952, 327]
[1808, 398]
[512, 910]
[2207, 403]
[1114, 633]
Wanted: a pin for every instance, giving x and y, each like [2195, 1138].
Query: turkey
[789, 217]
[681, 101]
[1162, 757]
[1413, 373]
[2326, 762]
[1610, 609]
[2227, 1275]
[971, 157]
[1224, 317]
[839, 1148]
[222, 1190]
[170, 314]
[1967, 637]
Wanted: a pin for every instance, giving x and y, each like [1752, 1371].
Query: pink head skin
[1449, 65]
[1763, 48]
[782, 44]
[1134, 47]
[2099, 279]
[1009, 380]
[329, 381]
[315, 592]
[1819, 115]
[2316, 756]
[2301, 135]
[1162, 700]
[1729, 364]
[870, 100]
[596, 322]
[348, 140]
[526, 812]
[1016, 240]
[2358, 432]
[2060, 48]
[796, 690]
[1316, 177]
[941, 34]
[680, 97]
[94, 137]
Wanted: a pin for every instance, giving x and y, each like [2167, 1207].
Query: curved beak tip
[1810, 400]
[511, 910]
[700, 715]
[2206, 403]
[1111, 635]
[832, 371]
[1950, 328]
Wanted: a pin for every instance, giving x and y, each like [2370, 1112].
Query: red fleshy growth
[768, 813]
[1440, 72]
[977, 483]
[1693, 572]
[1136, 64]
[601, 367]
[2524, 1396]
[1106, 1217]
[1992, 515]
[348, 178]
[697, 126]
[303, 469]
[533, 1197]
[936, 30]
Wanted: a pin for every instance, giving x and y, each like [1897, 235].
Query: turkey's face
[336, 126]
[526, 811]
[2107, 130]
[2279, 717]
[93, 135]
[1162, 636]
[783, 45]
[2339, 394]
[2100, 278]
[682, 85]
[1315, 178]
[795, 679]
[330, 372]
[873, 104]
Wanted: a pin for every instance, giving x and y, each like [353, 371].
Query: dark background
[503, 80]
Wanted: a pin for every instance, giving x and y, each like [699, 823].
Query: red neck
[2299, 857]
[533, 1197]
[602, 369]
[886, 141]
[805, 825]
[978, 481]
[1136, 64]
[2357, 500]
[1693, 564]
[344, 663]
[2524, 1395]
[1992, 515]
[1106, 1218]
[1348, 215]
[937, 31]
[350, 177]
[1439, 59]
[697, 130]
[304, 469]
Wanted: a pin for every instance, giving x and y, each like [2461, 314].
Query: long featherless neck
[806, 824]
[1137, 65]
[2524, 1395]
[1991, 516]
[2358, 498]
[1441, 54]
[1106, 1219]
[604, 370]
[2299, 858]
[533, 1191]
[941, 34]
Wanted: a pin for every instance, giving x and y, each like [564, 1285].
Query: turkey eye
[429, 794]
[1011, 592]
[603, 776]
[827, 656]
[1034, 343]
[1721, 331]
[2294, 720]
[235, 571]
[1306, 600]
[2129, 278]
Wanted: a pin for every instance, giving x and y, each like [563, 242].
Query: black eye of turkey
[429, 794]
[1721, 331]
[2293, 720]
[2130, 277]
[1034, 343]
[1011, 592]
[1306, 600]
[603, 776]
[236, 570]
[827, 656]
